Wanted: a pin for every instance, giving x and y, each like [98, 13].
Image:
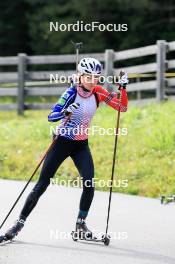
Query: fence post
[22, 59]
[109, 66]
[139, 94]
[161, 69]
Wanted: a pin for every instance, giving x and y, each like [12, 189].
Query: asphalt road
[142, 230]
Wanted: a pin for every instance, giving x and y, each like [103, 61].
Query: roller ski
[83, 233]
[12, 232]
[165, 199]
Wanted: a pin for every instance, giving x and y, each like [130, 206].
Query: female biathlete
[81, 101]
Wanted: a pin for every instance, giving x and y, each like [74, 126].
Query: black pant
[79, 151]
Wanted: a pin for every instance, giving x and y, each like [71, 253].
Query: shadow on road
[111, 250]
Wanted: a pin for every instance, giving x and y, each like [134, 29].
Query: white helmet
[89, 66]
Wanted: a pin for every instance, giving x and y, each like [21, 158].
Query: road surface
[142, 230]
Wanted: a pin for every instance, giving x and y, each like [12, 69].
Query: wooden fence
[25, 82]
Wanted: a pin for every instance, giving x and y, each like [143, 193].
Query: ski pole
[39, 163]
[78, 46]
[113, 167]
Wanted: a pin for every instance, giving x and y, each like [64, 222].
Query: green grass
[145, 157]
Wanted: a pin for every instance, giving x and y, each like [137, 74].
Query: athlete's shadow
[110, 250]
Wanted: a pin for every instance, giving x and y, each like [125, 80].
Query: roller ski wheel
[74, 236]
[106, 240]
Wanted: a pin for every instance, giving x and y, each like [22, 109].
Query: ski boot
[81, 231]
[13, 231]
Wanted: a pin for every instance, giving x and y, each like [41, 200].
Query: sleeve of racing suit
[111, 98]
[64, 101]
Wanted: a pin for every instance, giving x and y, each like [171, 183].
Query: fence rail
[26, 82]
